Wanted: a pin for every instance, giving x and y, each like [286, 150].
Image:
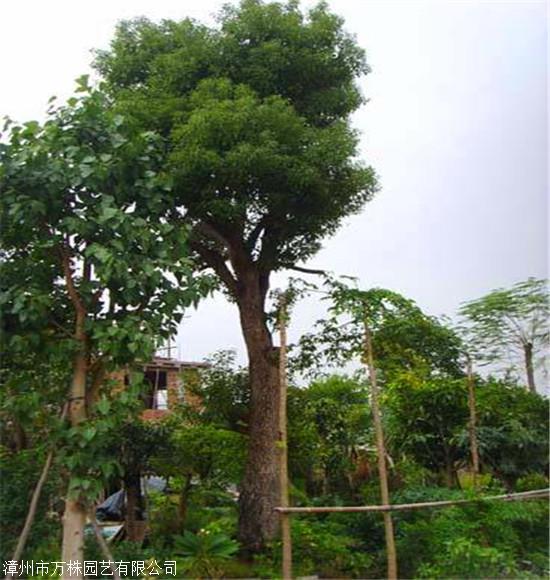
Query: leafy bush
[464, 558]
[324, 548]
[490, 539]
[532, 481]
[204, 553]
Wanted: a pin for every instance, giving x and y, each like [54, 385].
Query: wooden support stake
[103, 544]
[391, 552]
[283, 451]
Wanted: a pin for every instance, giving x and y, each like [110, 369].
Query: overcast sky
[456, 128]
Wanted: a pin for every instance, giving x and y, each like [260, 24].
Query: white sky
[456, 128]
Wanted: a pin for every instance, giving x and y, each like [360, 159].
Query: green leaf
[89, 433]
[82, 84]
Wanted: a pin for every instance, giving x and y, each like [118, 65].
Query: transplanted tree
[507, 323]
[99, 273]
[405, 340]
[256, 117]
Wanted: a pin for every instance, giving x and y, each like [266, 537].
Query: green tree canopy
[255, 114]
[88, 264]
[510, 323]
[404, 338]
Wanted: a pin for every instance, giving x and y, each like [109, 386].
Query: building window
[156, 394]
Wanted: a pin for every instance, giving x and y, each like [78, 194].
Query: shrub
[490, 539]
[324, 548]
[464, 558]
[532, 481]
[204, 553]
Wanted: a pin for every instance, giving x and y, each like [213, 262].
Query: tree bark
[528, 353]
[259, 493]
[74, 517]
[184, 502]
[134, 507]
[391, 551]
[248, 284]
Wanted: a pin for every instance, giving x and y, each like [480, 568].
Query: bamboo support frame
[286, 512]
[521, 496]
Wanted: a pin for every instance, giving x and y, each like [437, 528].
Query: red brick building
[168, 380]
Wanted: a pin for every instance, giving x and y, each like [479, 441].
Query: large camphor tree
[256, 117]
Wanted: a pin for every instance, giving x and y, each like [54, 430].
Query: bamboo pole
[472, 429]
[391, 551]
[521, 496]
[283, 451]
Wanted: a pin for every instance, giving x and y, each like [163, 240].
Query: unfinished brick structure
[168, 380]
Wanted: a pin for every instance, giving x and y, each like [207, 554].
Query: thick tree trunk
[259, 493]
[528, 353]
[74, 517]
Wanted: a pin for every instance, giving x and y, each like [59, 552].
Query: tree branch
[255, 234]
[69, 281]
[217, 262]
[308, 270]
[211, 232]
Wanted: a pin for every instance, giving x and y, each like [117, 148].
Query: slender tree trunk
[472, 428]
[74, 517]
[259, 493]
[184, 502]
[528, 353]
[19, 436]
[134, 507]
[283, 452]
[391, 552]
[450, 478]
